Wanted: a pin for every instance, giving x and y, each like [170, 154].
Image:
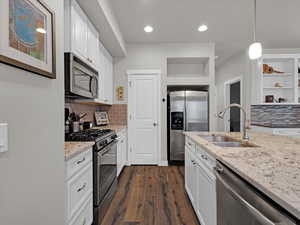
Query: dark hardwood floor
[151, 195]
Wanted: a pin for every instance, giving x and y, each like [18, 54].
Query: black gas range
[101, 137]
[104, 167]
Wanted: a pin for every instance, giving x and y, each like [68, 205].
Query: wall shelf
[278, 87]
[278, 75]
[287, 63]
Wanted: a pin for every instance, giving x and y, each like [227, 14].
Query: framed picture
[27, 36]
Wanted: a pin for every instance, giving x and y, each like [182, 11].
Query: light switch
[3, 137]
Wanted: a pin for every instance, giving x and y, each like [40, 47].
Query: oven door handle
[108, 147]
[257, 214]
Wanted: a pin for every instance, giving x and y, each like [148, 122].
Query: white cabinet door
[105, 75]
[79, 31]
[119, 157]
[189, 174]
[92, 44]
[108, 77]
[101, 72]
[205, 195]
[121, 152]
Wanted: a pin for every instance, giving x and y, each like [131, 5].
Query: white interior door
[143, 119]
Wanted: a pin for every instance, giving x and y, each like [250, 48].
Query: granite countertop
[74, 148]
[114, 127]
[273, 167]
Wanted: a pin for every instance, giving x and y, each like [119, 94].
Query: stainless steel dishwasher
[238, 203]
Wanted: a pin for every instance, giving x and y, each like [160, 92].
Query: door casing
[227, 100]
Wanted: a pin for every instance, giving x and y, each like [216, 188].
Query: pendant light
[255, 49]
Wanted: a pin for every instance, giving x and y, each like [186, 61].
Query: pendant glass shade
[255, 51]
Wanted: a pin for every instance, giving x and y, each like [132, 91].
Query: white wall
[32, 172]
[154, 56]
[234, 67]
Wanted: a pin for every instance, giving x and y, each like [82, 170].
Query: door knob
[154, 124]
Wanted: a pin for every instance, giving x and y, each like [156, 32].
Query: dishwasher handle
[257, 214]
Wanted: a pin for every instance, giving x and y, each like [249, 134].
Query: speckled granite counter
[74, 148]
[273, 168]
[116, 128]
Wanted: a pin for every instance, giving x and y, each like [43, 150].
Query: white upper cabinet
[81, 37]
[92, 43]
[79, 31]
[105, 75]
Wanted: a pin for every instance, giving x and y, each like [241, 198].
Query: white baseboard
[163, 163]
[160, 163]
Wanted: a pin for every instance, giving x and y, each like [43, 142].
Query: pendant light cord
[254, 21]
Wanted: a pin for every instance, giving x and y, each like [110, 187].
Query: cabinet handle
[204, 157]
[81, 161]
[84, 221]
[81, 188]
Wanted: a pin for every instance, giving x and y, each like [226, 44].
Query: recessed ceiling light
[41, 30]
[148, 29]
[202, 28]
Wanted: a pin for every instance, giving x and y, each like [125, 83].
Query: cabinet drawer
[206, 158]
[85, 214]
[78, 162]
[79, 188]
[190, 144]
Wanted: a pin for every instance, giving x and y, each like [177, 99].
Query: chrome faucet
[244, 132]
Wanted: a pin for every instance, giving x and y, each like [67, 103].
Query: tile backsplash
[117, 113]
[276, 116]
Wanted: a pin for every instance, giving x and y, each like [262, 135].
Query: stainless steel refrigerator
[188, 111]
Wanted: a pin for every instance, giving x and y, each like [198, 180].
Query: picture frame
[28, 36]
[101, 118]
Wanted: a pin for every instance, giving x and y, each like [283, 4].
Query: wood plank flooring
[151, 195]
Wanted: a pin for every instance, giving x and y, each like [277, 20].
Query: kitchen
[137, 123]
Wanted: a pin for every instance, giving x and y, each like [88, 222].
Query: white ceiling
[229, 22]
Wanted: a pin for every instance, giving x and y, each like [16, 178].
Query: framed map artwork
[27, 36]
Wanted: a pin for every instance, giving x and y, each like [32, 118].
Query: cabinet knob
[81, 188]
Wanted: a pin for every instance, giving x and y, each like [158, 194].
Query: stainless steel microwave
[81, 80]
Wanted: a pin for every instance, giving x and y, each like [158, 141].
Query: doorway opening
[233, 90]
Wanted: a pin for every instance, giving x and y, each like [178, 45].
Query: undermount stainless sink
[234, 144]
[215, 137]
[224, 141]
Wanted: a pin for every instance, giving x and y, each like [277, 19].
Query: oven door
[84, 80]
[105, 171]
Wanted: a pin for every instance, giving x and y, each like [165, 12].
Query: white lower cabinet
[85, 217]
[79, 189]
[201, 184]
[121, 150]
